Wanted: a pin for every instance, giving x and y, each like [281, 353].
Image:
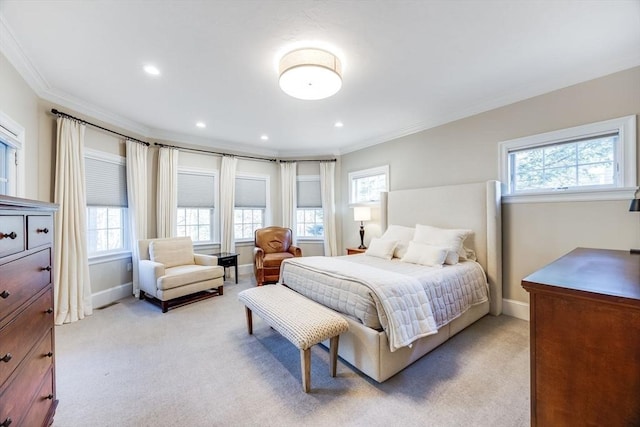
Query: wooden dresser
[27, 361]
[585, 340]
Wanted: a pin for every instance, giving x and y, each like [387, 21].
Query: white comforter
[408, 301]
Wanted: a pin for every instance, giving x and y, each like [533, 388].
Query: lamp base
[364, 247]
[634, 251]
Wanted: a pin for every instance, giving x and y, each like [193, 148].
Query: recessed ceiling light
[264, 137]
[151, 69]
[201, 125]
[338, 124]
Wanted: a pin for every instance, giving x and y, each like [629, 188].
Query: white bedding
[346, 284]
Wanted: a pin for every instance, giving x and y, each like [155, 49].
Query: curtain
[136, 202]
[71, 263]
[167, 200]
[288, 194]
[327, 192]
[227, 203]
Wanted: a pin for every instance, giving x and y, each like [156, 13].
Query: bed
[366, 346]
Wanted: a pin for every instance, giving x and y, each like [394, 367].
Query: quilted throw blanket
[403, 305]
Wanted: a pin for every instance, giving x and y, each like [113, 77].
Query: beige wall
[467, 151]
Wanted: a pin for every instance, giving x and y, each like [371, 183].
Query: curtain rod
[60, 113]
[265, 159]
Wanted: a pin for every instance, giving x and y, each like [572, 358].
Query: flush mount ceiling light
[310, 73]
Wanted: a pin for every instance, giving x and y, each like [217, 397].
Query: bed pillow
[401, 234]
[381, 248]
[452, 239]
[423, 254]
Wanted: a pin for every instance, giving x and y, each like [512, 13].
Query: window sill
[310, 239]
[627, 193]
[108, 257]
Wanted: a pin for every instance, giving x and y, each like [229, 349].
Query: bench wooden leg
[305, 367]
[333, 354]
[249, 320]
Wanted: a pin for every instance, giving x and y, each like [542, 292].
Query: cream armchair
[171, 274]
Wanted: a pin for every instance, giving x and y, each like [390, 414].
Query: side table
[354, 251]
[227, 259]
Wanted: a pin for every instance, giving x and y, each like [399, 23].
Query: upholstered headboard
[473, 206]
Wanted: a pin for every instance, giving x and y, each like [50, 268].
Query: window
[250, 210]
[309, 213]
[12, 171]
[366, 185]
[580, 163]
[3, 168]
[196, 203]
[106, 182]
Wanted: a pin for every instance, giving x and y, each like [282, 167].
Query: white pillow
[381, 248]
[403, 235]
[420, 253]
[452, 239]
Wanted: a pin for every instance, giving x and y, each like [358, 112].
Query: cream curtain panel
[136, 202]
[227, 203]
[71, 263]
[288, 173]
[167, 199]
[327, 193]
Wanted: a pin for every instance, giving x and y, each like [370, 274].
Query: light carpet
[131, 365]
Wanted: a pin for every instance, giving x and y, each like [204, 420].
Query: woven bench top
[297, 318]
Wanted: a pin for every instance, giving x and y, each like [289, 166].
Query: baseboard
[108, 296]
[245, 269]
[515, 309]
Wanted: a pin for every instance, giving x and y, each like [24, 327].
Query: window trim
[115, 254]
[267, 208]
[13, 134]
[625, 187]
[215, 173]
[363, 173]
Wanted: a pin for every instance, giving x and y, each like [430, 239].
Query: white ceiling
[408, 65]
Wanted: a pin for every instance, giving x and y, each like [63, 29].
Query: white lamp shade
[310, 74]
[362, 213]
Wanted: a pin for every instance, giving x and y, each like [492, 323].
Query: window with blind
[597, 158]
[106, 186]
[196, 206]
[250, 210]
[309, 213]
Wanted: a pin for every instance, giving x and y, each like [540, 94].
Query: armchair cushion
[186, 274]
[274, 260]
[172, 252]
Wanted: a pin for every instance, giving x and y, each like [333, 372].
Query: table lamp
[362, 213]
[635, 207]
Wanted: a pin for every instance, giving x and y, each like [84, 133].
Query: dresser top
[8, 202]
[600, 271]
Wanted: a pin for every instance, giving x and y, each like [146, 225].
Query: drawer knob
[47, 268]
[42, 230]
[49, 310]
[6, 423]
[49, 396]
[11, 235]
[5, 294]
[6, 358]
[49, 354]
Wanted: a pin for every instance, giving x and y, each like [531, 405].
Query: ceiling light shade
[310, 74]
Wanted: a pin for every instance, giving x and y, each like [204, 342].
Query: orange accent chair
[272, 245]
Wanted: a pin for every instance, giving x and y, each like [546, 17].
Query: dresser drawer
[23, 278]
[19, 336]
[39, 230]
[11, 234]
[42, 403]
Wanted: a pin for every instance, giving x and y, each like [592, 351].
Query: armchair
[272, 245]
[171, 274]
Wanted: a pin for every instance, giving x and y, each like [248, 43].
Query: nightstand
[354, 251]
[226, 259]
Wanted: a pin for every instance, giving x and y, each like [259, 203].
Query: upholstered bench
[298, 319]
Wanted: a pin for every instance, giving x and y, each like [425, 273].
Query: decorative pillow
[403, 235]
[452, 239]
[381, 248]
[172, 252]
[423, 254]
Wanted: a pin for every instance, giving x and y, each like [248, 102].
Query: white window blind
[196, 190]
[251, 192]
[308, 193]
[106, 183]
